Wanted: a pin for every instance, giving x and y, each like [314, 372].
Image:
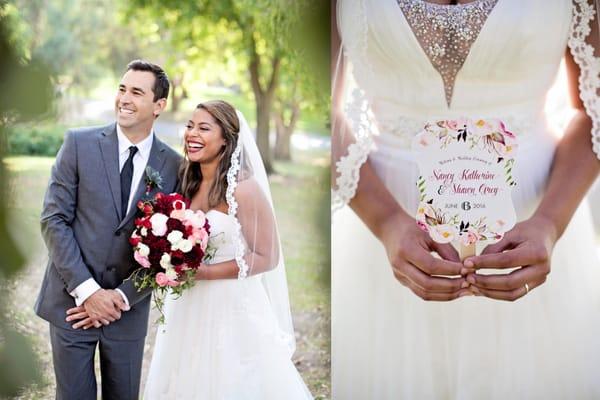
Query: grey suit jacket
[84, 232]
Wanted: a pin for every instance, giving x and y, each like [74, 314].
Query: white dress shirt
[140, 159]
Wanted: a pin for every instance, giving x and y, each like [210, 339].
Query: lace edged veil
[257, 245]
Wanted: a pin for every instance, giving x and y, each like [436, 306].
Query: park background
[60, 65]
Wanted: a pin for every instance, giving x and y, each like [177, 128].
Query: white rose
[185, 245]
[143, 250]
[144, 231]
[171, 274]
[165, 261]
[159, 224]
[174, 237]
[444, 233]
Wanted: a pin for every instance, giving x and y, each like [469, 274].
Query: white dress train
[221, 340]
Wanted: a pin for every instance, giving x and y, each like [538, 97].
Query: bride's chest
[514, 32]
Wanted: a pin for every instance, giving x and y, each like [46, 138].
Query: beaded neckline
[446, 33]
[470, 3]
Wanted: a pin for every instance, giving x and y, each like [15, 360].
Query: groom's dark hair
[161, 81]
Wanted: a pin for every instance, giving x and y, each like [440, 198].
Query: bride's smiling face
[203, 137]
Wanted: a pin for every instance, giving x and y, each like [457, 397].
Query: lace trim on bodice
[589, 64]
[446, 33]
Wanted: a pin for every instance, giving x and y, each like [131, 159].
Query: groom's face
[134, 105]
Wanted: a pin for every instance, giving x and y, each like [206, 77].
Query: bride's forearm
[230, 270]
[222, 270]
[574, 169]
[373, 202]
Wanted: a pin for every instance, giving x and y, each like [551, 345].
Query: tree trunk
[177, 95]
[284, 132]
[263, 111]
[264, 102]
[175, 98]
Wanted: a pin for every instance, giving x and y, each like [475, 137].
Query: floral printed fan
[466, 181]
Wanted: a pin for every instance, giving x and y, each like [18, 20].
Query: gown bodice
[506, 72]
[221, 239]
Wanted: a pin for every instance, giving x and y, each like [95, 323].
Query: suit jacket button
[118, 233]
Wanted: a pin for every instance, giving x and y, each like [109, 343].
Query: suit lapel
[156, 162]
[109, 147]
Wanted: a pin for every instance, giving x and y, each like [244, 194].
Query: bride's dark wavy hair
[190, 175]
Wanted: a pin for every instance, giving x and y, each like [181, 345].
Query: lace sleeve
[351, 119]
[584, 42]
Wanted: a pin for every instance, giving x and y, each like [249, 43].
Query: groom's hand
[527, 247]
[101, 308]
[409, 251]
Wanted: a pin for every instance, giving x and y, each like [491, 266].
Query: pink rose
[159, 224]
[204, 242]
[161, 279]
[452, 124]
[199, 235]
[179, 211]
[143, 261]
[178, 214]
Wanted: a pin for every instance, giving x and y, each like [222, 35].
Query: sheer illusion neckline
[472, 2]
[446, 33]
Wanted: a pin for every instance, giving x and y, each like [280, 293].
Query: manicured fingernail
[471, 279]
[464, 271]
[469, 263]
[465, 285]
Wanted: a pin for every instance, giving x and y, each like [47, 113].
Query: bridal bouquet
[169, 242]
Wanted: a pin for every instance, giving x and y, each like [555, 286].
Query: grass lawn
[301, 197]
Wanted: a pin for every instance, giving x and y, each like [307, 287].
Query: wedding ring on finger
[526, 288]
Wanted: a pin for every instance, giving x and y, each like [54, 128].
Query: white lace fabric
[232, 175]
[348, 167]
[584, 42]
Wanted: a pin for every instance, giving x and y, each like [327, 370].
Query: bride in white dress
[230, 337]
[406, 62]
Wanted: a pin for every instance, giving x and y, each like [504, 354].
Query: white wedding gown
[221, 340]
[386, 342]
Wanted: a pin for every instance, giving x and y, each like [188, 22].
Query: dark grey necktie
[126, 176]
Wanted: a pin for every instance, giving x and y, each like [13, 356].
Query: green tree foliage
[30, 91]
[305, 83]
[251, 38]
[80, 41]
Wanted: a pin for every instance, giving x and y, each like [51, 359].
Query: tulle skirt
[389, 344]
[221, 342]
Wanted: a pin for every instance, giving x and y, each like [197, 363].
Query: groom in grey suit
[88, 215]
